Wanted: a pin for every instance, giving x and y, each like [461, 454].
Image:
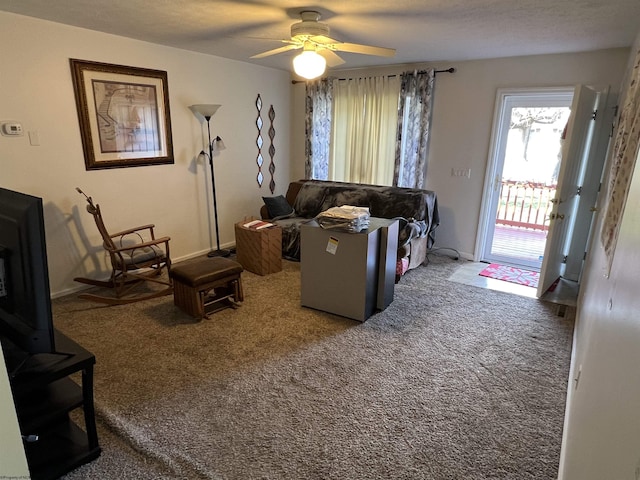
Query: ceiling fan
[312, 36]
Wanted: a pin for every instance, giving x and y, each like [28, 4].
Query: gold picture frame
[123, 113]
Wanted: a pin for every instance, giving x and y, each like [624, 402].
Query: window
[370, 130]
[364, 130]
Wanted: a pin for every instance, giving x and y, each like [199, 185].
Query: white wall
[13, 463]
[601, 438]
[36, 89]
[462, 117]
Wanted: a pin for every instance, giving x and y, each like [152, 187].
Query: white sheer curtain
[363, 139]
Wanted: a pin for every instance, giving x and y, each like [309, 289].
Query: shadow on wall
[69, 249]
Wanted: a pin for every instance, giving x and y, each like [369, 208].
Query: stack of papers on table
[258, 224]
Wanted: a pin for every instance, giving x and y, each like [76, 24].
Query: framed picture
[123, 113]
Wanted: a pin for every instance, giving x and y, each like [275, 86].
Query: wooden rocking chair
[134, 260]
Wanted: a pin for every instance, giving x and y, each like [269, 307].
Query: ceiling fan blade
[323, 40]
[364, 49]
[332, 58]
[275, 51]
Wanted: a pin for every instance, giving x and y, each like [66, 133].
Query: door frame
[493, 163]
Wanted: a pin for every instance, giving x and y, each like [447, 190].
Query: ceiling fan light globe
[309, 65]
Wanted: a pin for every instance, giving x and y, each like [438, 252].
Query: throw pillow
[277, 206]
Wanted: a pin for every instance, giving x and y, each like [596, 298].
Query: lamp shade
[205, 109]
[309, 64]
[217, 145]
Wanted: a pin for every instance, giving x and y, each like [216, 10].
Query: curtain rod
[419, 72]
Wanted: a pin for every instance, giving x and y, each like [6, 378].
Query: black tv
[25, 300]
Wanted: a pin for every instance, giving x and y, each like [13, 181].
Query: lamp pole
[207, 111]
[218, 252]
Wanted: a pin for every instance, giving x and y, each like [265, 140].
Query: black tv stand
[14, 371]
[44, 395]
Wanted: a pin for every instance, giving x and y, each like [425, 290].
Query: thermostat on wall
[11, 129]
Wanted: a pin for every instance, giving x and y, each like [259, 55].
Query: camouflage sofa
[416, 210]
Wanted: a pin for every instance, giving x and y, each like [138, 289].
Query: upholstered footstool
[206, 281]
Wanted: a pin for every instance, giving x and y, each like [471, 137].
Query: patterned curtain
[318, 112]
[414, 124]
[625, 151]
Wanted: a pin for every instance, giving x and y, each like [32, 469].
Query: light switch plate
[34, 138]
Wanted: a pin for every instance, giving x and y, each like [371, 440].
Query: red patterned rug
[511, 274]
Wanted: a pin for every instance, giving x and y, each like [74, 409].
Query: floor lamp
[207, 111]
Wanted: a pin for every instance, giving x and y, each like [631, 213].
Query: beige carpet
[450, 382]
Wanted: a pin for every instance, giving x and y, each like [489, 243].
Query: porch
[519, 243]
[522, 220]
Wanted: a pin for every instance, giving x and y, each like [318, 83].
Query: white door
[590, 187]
[575, 152]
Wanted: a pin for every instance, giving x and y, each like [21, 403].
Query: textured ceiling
[419, 30]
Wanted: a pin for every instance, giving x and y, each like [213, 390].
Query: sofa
[415, 209]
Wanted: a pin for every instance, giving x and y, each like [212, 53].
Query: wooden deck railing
[525, 204]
